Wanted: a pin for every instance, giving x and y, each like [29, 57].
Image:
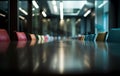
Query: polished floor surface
[59, 57]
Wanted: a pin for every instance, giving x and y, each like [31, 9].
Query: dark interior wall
[119, 13]
[113, 13]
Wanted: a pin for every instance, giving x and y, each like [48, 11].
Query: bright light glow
[2, 15]
[61, 10]
[61, 22]
[54, 2]
[35, 4]
[33, 14]
[88, 12]
[79, 20]
[101, 5]
[22, 17]
[68, 20]
[23, 11]
[33, 9]
[55, 8]
[44, 14]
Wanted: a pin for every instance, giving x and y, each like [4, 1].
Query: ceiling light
[68, 20]
[33, 14]
[55, 8]
[79, 20]
[35, 4]
[23, 11]
[33, 9]
[21, 17]
[88, 12]
[101, 5]
[2, 15]
[61, 10]
[54, 2]
[44, 14]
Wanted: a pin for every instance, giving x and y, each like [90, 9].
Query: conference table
[59, 57]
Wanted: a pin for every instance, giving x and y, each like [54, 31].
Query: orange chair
[33, 39]
[101, 36]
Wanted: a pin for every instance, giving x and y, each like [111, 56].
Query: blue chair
[91, 37]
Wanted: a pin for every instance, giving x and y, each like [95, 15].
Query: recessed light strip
[22, 17]
[35, 4]
[44, 14]
[101, 5]
[23, 11]
[88, 12]
[54, 5]
[61, 10]
[2, 15]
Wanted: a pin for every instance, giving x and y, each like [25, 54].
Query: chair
[33, 39]
[18, 36]
[101, 36]
[114, 36]
[4, 35]
[4, 40]
[92, 37]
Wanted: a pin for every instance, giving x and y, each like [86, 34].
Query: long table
[59, 57]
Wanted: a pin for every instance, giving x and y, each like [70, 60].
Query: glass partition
[35, 17]
[101, 18]
[4, 14]
[23, 13]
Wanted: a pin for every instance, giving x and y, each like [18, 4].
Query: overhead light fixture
[21, 17]
[88, 12]
[79, 20]
[33, 14]
[33, 9]
[55, 8]
[61, 10]
[54, 2]
[2, 15]
[44, 14]
[23, 11]
[35, 4]
[101, 5]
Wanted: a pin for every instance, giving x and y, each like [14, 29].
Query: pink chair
[4, 35]
[4, 40]
[21, 36]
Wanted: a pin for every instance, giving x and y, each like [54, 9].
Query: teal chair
[114, 35]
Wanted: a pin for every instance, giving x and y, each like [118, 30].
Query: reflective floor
[59, 57]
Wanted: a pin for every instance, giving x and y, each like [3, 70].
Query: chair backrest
[92, 37]
[33, 39]
[101, 36]
[21, 36]
[4, 35]
[86, 37]
[114, 35]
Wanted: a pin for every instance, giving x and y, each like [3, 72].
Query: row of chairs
[22, 36]
[111, 36]
[93, 37]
